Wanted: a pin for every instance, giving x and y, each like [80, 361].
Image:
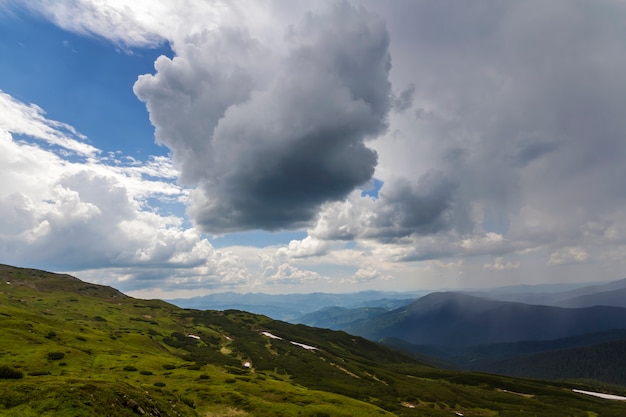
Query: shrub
[81, 338]
[6, 372]
[39, 373]
[145, 372]
[189, 402]
[55, 356]
[169, 366]
[50, 335]
[130, 368]
[159, 384]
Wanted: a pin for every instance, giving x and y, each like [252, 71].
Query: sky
[175, 149]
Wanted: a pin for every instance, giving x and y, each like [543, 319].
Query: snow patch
[302, 345]
[193, 336]
[601, 395]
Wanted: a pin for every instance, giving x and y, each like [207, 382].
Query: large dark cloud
[423, 208]
[525, 102]
[267, 137]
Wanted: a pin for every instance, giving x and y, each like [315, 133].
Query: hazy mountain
[298, 308]
[616, 298]
[337, 318]
[561, 295]
[290, 307]
[457, 319]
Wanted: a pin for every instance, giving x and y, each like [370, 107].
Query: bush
[6, 372]
[39, 373]
[168, 366]
[145, 372]
[189, 402]
[159, 384]
[130, 368]
[55, 356]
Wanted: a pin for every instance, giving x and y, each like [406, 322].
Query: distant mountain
[616, 298]
[457, 319]
[562, 295]
[294, 308]
[290, 307]
[337, 318]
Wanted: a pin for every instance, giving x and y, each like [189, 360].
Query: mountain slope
[456, 319]
[615, 298]
[74, 349]
[602, 362]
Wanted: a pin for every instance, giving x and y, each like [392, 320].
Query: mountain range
[291, 307]
[71, 348]
[585, 326]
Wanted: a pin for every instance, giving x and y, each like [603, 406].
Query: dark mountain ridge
[457, 319]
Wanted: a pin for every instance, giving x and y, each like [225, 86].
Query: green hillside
[69, 348]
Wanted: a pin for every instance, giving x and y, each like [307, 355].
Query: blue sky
[313, 146]
[84, 80]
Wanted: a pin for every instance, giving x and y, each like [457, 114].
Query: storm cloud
[267, 135]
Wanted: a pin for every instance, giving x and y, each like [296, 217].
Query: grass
[87, 350]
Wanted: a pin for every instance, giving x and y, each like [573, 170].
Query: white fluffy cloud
[76, 214]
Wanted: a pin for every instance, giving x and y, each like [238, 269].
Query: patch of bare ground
[226, 412]
[515, 393]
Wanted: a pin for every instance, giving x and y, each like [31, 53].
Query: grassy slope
[121, 353]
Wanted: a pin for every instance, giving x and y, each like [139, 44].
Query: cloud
[520, 148]
[568, 255]
[267, 136]
[75, 214]
[139, 23]
[275, 272]
[403, 101]
[367, 274]
[402, 209]
[499, 264]
[516, 152]
[29, 119]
